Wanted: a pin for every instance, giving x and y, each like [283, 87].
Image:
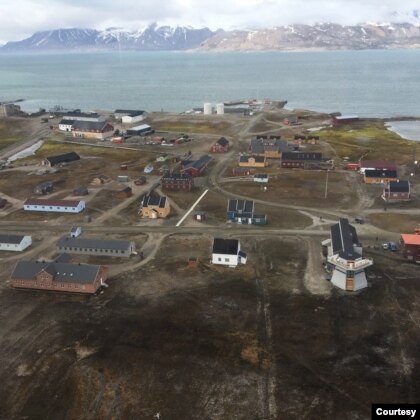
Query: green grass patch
[395, 222]
[190, 127]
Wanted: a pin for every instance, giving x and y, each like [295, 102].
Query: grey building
[99, 247]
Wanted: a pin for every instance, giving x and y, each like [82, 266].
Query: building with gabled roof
[380, 176]
[57, 159]
[177, 182]
[14, 242]
[155, 207]
[299, 159]
[99, 130]
[271, 148]
[377, 165]
[97, 247]
[396, 190]
[227, 252]
[345, 257]
[221, 146]
[247, 161]
[196, 167]
[410, 246]
[54, 205]
[242, 212]
[58, 276]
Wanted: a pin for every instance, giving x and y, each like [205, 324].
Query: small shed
[81, 191]
[124, 193]
[44, 188]
[200, 216]
[192, 262]
[75, 231]
[3, 203]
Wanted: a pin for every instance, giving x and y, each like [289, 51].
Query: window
[219, 259]
[226, 259]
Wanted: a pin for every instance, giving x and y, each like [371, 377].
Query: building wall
[98, 251]
[379, 180]
[152, 211]
[396, 196]
[292, 164]
[177, 185]
[92, 135]
[411, 252]
[217, 148]
[352, 282]
[127, 119]
[272, 154]
[252, 164]
[64, 127]
[26, 241]
[56, 209]
[223, 259]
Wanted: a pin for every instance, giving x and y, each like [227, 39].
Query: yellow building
[247, 161]
[155, 207]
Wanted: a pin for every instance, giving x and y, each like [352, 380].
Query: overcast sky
[21, 18]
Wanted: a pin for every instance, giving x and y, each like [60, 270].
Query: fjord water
[375, 83]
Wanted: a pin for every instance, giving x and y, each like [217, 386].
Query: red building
[299, 159]
[396, 190]
[196, 167]
[352, 166]
[177, 182]
[221, 146]
[410, 246]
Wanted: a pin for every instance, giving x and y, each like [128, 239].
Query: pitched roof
[242, 206]
[398, 186]
[302, 156]
[53, 202]
[177, 176]
[257, 159]
[113, 244]
[91, 126]
[370, 173]
[11, 239]
[223, 142]
[62, 272]
[343, 237]
[225, 246]
[65, 157]
[128, 111]
[378, 164]
[154, 200]
[410, 239]
[198, 164]
[66, 122]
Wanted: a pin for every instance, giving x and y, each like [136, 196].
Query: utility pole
[326, 185]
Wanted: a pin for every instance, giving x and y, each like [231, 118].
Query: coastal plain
[269, 339]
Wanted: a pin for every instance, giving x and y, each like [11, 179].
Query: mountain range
[321, 36]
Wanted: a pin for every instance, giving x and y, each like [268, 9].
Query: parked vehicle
[359, 220]
[392, 246]
[385, 246]
[148, 169]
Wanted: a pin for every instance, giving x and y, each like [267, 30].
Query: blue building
[242, 212]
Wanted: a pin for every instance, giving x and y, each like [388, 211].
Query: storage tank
[208, 108]
[220, 109]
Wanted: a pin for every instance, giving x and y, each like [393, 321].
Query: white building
[65, 125]
[227, 252]
[59, 206]
[133, 118]
[345, 257]
[14, 242]
[75, 231]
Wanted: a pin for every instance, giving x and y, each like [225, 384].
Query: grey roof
[63, 258]
[343, 239]
[154, 200]
[369, 173]
[11, 239]
[225, 246]
[89, 125]
[223, 142]
[302, 156]
[129, 111]
[198, 164]
[177, 176]
[62, 272]
[241, 206]
[113, 244]
[245, 158]
[66, 122]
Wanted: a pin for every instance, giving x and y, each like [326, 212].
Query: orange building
[380, 176]
[155, 207]
[253, 161]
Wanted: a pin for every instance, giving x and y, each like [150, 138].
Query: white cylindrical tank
[220, 108]
[208, 108]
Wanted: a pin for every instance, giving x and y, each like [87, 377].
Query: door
[349, 284]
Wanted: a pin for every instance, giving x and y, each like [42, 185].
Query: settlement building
[177, 182]
[242, 212]
[80, 191]
[54, 205]
[246, 161]
[227, 252]
[271, 148]
[98, 247]
[83, 116]
[380, 176]
[345, 257]
[96, 130]
[410, 246]
[133, 117]
[154, 207]
[196, 167]
[221, 146]
[124, 193]
[120, 113]
[261, 178]
[299, 159]
[14, 242]
[344, 119]
[140, 130]
[65, 125]
[377, 165]
[64, 158]
[396, 190]
[44, 188]
[58, 276]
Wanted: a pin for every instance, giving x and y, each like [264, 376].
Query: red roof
[41, 202]
[379, 164]
[410, 239]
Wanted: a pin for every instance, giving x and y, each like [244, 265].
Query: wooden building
[270, 148]
[299, 159]
[380, 176]
[242, 212]
[124, 193]
[54, 205]
[14, 242]
[396, 190]
[344, 119]
[227, 252]
[155, 207]
[59, 159]
[410, 246]
[377, 165]
[177, 182]
[92, 130]
[196, 167]
[241, 171]
[80, 191]
[250, 161]
[221, 146]
[97, 247]
[58, 276]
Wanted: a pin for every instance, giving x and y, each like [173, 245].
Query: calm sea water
[367, 83]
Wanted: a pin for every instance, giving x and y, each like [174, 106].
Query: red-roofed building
[410, 246]
[377, 165]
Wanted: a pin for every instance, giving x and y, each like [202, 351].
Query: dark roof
[65, 157]
[225, 246]
[380, 173]
[343, 237]
[91, 126]
[62, 272]
[246, 158]
[66, 122]
[177, 176]
[198, 164]
[262, 176]
[125, 190]
[243, 206]
[301, 156]
[154, 200]
[129, 111]
[94, 243]
[53, 202]
[242, 254]
[260, 145]
[11, 239]
[398, 186]
[82, 114]
[223, 142]
[63, 258]
[81, 188]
